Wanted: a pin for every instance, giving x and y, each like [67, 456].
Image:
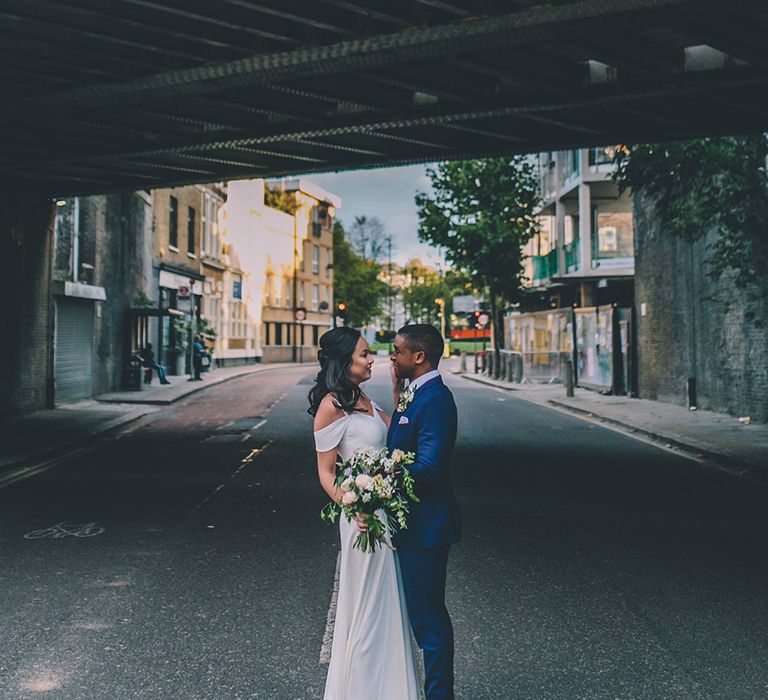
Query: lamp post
[441, 303]
[295, 285]
[190, 335]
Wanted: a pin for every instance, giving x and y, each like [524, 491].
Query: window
[237, 287]
[277, 289]
[315, 296]
[278, 334]
[571, 228]
[315, 334]
[288, 293]
[190, 230]
[315, 221]
[328, 263]
[301, 294]
[209, 236]
[315, 259]
[614, 235]
[173, 223]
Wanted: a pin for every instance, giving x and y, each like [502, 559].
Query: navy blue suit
[427, 427]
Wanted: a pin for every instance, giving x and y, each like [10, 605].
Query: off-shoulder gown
[371, 657]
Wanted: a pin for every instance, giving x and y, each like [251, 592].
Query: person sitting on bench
[149, 363]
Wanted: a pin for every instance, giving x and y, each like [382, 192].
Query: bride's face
[361, 363]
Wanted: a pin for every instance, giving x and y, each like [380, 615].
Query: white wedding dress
[371, 657]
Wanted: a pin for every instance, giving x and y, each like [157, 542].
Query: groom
[424, 422]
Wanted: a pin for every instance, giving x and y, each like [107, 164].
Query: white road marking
[64, 529]
[243, 464]
[325, 649]
[252, 430]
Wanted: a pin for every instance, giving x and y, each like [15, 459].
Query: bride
[371, 656]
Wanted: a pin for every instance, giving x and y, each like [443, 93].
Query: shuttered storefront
[73, 366]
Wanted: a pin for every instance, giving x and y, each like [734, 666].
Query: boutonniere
[406, 396]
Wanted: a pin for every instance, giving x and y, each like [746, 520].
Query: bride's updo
[336, 349]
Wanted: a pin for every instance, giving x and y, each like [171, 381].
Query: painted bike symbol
[64, 529]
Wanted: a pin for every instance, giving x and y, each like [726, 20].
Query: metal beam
[519, 28]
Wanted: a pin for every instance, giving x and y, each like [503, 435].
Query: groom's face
[404, 360]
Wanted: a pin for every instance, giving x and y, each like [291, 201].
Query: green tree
[356, 281]
[482, 213]
[424, 285]
[708, 184]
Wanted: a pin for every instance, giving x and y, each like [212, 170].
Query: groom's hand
[362, 521]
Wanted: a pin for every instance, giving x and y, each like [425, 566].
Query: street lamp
[441, 303]
[190, 335]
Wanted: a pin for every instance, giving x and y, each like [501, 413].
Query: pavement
[33, 442]
[163, 394]
[735, 444]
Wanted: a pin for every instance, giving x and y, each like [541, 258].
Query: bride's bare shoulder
[327, 412]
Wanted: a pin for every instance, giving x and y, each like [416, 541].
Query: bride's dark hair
[336, 349]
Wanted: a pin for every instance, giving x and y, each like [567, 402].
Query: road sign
[483, 319]
[182, 293]
[300, 314]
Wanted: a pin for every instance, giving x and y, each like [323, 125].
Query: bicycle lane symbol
[64, 529]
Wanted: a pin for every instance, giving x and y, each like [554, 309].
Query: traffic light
[341, 312]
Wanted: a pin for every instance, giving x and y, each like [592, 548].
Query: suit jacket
[428, 428]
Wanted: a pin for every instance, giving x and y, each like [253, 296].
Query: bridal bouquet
[373, 480]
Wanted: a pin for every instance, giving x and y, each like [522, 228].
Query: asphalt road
[593, 565]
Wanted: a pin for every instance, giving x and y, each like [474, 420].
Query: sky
[386, 193]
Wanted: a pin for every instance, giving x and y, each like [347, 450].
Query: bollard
[509, 368]
[463, 362]
[568, 377]
[477, 363]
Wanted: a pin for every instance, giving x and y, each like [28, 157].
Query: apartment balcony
[544, 267]
[572, 256]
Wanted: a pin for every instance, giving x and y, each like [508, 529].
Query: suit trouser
[423, 573]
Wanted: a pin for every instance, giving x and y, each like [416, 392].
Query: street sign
[465, 303]
[300, 314]
[483, 319]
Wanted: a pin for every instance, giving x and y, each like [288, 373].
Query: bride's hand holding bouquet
[373, 480]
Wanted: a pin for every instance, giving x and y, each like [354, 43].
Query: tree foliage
[482, 213]
[355, 281]
[711, 184]
[368, 238]
[424, 285]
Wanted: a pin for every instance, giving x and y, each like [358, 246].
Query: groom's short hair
[425, 338]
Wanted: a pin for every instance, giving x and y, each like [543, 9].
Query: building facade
[188, 270]
[577, 310]
[584, 254]
[280, 235]
[101, 266]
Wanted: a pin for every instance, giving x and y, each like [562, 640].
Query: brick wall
[25, 302]
[695, 326]
[119, 229]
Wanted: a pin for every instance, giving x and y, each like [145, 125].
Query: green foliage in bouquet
[374, 481]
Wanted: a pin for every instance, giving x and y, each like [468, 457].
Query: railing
[521, 367]
[545, 266]
[572, 256]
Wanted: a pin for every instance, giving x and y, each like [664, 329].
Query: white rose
[347, 484]
[349, 498]
[364, 482]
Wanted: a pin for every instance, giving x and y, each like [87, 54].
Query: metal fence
[596, 342]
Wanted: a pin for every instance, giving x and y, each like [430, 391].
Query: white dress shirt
[423, 379]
